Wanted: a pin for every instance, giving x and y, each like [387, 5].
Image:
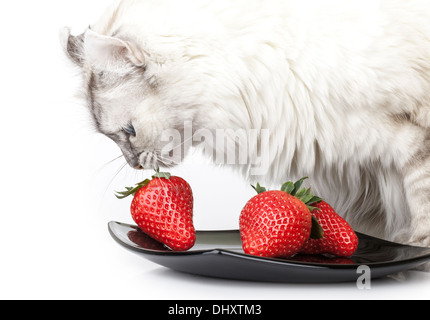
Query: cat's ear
[73, 46]
[110, 53]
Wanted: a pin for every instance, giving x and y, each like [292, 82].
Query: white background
[57, 186]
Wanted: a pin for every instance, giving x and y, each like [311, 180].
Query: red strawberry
[275, 223]
[339, 238]
[163, 209]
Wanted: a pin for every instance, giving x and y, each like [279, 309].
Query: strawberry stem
[158, 174]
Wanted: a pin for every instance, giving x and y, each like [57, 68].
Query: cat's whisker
[167, 161]
[179, 145]
[105, 165]
[114, 177]
[113, 160]
[182, 143]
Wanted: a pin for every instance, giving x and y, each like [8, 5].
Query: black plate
[219, 254]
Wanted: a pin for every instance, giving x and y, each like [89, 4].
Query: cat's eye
[129, 129]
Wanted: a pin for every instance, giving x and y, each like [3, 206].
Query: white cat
[343, 87]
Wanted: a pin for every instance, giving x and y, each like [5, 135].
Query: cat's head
[136, 96]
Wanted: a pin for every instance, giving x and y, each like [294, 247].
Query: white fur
[331, 80]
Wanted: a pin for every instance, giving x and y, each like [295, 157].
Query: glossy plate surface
[219, 254]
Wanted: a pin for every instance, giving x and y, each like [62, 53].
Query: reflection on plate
[219, 254]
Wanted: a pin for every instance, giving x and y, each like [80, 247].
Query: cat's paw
[402, 238]
[419, 240]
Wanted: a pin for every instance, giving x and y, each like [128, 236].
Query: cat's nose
[131, 159]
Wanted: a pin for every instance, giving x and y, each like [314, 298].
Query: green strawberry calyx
[131, 191]
[293, 188]
[259, 189]
[317, 231]
[304, 195]
[158, 174]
